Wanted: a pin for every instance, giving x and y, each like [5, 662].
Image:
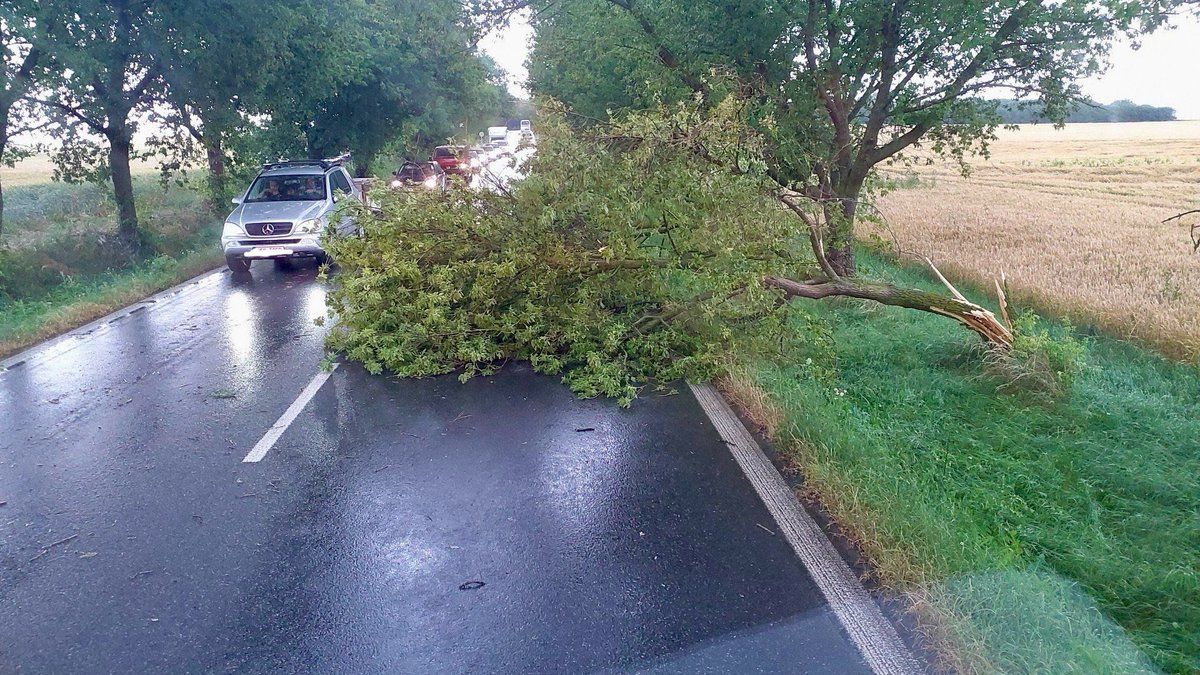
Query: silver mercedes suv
[285, 210]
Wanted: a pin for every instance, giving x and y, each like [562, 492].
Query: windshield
[411, 172]
[305, 188]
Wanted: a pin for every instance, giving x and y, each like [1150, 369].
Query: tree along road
[394, 526]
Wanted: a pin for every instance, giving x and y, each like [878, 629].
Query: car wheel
[322, 259]
[238, 264]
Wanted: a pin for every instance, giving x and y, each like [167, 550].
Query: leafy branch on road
[606, 265]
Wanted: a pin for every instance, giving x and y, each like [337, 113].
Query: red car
[453, 159]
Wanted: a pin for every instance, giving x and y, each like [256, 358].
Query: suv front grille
[267, 242]
[259, 229]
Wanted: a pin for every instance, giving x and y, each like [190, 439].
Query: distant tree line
[225, 84]
[1012, 111]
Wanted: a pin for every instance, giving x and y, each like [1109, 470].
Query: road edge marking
[30, 355]
[264, 444]
[875, 636]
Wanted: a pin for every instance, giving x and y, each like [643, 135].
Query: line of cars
[287, 207]
[447, 160]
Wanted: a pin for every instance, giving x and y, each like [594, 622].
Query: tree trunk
[3, 149]
[840, 214]
[313, 145]
[985, 324]
[217, 195]
[362, 165]
[119, 148]
[839, 239]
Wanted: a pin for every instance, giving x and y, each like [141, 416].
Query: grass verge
[61, 265]
[1019, 524]
[27, 322]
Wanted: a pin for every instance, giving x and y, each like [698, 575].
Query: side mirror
[236, 200]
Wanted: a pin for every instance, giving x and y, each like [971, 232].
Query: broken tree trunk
[977, 318]
[994, 333]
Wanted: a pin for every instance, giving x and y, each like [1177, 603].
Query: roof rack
[323, 163]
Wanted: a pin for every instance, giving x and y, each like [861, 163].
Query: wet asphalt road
[397, 526]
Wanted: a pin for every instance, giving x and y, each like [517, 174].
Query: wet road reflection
[396, 526]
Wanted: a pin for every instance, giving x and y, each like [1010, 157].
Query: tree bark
[977, 318]
[217, 195]
[3, 148]
[841, 211]
[119, 149]
[4, 111]
[1, 205]
[362, 165]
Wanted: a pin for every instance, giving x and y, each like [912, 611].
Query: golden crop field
[1073, 217]
[38, 170]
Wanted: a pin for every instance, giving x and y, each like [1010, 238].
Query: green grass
[74, 303]
[61, 265]
[1008, 514]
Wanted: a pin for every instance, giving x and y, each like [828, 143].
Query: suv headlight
[232, 230]
[309, 226]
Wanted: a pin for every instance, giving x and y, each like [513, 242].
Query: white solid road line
[285, 420]
[872, 633]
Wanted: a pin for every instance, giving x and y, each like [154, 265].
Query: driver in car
[271, 191]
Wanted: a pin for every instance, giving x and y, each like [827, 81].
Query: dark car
[428, 175]
[453, 159]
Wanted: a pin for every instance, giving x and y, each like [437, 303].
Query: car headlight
[431, 182]
[232, 230]
[309, 226]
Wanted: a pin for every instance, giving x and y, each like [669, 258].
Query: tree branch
[978, 319]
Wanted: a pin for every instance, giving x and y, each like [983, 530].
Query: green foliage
[839, 86]
[618, 261]
[382, 71]
[950, 482]
[576, 62]
[1043, 358]
[58, 235]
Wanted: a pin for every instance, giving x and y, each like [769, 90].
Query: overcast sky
[1164, 71]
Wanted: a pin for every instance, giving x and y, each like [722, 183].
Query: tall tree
[398, 67]
[837, 86]
[216, 63]
[257, 67]
[852, 83]
[106, 52]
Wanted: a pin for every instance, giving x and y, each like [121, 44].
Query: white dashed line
[285, 420]
[872, 633]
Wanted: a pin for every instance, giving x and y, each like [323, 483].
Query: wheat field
[1073, 217]
[39, 170]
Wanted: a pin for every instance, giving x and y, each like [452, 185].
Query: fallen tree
[646, 252]
[722, 136]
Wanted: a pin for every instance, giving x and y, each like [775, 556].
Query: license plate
[268, 252]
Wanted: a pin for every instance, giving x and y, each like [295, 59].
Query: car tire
[237, 264]
[322, 259]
